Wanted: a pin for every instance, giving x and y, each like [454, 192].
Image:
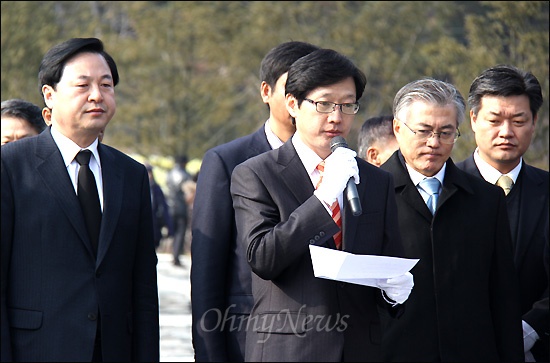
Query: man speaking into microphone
[299, 194]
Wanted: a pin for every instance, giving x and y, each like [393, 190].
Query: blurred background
[189, 70]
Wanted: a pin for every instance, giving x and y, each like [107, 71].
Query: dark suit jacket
[529, 250]
[296, 316]
[465, 304]
[220, 275]
[53, 288]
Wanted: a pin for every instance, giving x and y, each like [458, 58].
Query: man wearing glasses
[284, 202]
[464, 306]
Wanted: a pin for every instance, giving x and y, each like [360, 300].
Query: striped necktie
[335, 208]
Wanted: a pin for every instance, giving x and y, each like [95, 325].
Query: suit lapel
[112, 200]
[469, 166]
[532, 203]
[53, 172]
[349, 221]
[455, 179]
[405, 187]
[295, 176]
[258, 143]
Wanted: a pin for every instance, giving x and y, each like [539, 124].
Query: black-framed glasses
[328, 107]
[446, 137]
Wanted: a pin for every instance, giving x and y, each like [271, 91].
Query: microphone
[351, 189]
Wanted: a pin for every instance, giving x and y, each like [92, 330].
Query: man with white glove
[396, 290]
[340, 166]
[278, 215]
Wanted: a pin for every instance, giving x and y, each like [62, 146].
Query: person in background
[504, 103]
[190, 190]
[290, 198]
[179, 211]
[70, 292]
[161, 212]
[376, 141]
[220, 274]
[20, 119]
[465, 302]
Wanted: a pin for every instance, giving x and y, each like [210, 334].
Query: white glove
[340, 166]
[397, 288]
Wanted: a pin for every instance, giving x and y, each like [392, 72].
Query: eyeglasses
[446, 137]
[328, 107]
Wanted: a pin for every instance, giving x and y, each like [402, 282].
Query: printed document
[357, 269]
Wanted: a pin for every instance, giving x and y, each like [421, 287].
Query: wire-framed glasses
[328, 107]
[446, 137]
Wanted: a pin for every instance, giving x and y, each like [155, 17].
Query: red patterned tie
[335, 208]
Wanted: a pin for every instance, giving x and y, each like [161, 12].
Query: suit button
[322, 234]
[317, 238]
[311, 241]
[92, 316]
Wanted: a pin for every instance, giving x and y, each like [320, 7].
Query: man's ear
[291, 104]
[473, 121]
[395, 125]
[47, 93]
[265, 91]
[372, 156]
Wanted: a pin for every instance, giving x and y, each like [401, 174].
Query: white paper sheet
[356, 269]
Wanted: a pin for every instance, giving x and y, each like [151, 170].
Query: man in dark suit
[65, 298]
[221, 294]
[279, 213]
[465, 303]
[504, 104]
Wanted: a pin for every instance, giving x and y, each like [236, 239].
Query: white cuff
[530, 336]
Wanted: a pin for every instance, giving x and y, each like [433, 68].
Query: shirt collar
[491, 174]
[308, 157]
[272, 139]
[417, 177]
[69, 148]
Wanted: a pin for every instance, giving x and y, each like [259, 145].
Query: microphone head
[336, 142]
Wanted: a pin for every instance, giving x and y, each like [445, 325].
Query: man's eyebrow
[105, 76]
[496, 113]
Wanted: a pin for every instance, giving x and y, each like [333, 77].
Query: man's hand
[397, 288]
[340, 166]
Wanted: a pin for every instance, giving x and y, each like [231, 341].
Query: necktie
[506, 183]
[88, 197]
[335, 209]
[431, 186]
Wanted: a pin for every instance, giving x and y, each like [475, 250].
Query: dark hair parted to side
[53, 63]
[505, 80]
[323, 67]
[279, 59]
[25, 110]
